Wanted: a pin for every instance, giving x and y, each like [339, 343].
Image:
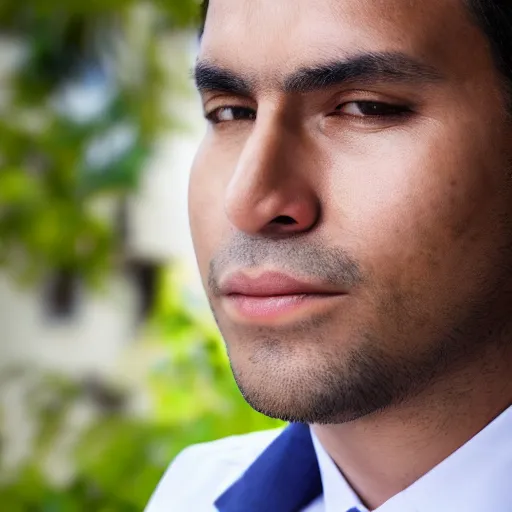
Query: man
[351, 207]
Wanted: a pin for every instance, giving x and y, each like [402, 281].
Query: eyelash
[213, 116]
[392, 111]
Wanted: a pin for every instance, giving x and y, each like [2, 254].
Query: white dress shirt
[476, 478]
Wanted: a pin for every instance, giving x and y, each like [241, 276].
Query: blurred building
[59, 324]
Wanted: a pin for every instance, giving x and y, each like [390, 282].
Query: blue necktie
[284, 478]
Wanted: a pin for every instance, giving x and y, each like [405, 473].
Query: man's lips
[271, 284]
[273, 298]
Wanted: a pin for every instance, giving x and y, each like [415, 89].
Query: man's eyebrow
[368, 68]
[210, 77]
[360, 68]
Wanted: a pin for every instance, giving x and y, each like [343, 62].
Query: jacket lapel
[284, 478]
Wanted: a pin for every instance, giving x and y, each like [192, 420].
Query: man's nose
[269, 191]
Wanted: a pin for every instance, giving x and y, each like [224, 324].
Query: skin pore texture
[362, 147]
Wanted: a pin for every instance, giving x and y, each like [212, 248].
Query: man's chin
[296, 384]
[311, 410]
[297, 396]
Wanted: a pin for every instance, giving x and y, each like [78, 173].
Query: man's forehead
[270, 18]
[261, 37]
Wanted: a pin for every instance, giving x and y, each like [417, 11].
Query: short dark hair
[494, 17]
[204, 12]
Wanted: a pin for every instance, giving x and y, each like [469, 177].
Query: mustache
[296, 256]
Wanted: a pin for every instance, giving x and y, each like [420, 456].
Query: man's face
[351, 201]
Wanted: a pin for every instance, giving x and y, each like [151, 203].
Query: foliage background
[53, 170]
[120, 457]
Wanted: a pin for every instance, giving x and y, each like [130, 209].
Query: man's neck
[383, 454]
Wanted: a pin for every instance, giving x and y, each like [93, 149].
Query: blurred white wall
[102, 324]
[86, 342]
[158, 216]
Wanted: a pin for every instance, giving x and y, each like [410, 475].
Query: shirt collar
[477, 477]
[291, 471]
[338, 495]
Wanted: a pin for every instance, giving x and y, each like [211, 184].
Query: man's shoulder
[202, 472]
[224, 456]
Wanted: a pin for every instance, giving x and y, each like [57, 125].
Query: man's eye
[372, 109]
[227, 114]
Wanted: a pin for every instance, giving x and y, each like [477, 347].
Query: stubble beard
[330, 388]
